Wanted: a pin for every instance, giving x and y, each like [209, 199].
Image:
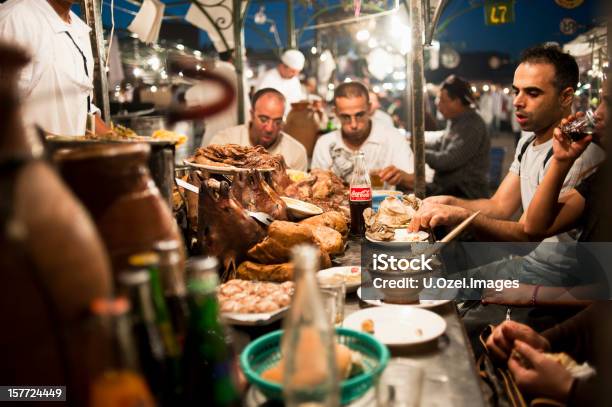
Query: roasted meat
[331, 219]
[256, 195]
[278, 178]
[265, 272]
[282, 236]
[328, 239]
[322, 188]
[224, 228]
[235, 155]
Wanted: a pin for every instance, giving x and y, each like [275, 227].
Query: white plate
[223, 169]
[402, 238]
[386, 192]
[421, 304]
[344, 272]
[399, 326]
[301, 209]
[253, 319]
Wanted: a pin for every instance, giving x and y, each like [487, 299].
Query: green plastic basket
[265, 352]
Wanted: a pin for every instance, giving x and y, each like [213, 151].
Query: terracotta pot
[52, 259]
[114, 183]
[303, 125]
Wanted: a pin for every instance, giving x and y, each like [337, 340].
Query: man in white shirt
[57, 84]
[377, 113]
[284, 78]
[265, 129]
[386, 151]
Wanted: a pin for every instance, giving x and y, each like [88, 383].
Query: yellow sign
[499, 12]
[569, 4]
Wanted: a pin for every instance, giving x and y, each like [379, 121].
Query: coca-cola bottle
[360, 196]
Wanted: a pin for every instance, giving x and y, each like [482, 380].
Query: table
[448, 362]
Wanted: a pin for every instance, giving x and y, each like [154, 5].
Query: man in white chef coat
[284, 77]
[57, 85]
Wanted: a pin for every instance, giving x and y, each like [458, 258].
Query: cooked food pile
[393, 214]
[242, 296]
[237, 156]
[322, 188]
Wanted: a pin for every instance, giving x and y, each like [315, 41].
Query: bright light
[485, 88]
[180, 47]
[153, 89]
[590, 72]
[323, 57]
[587, 86]
[331, 86]
[137, 72]
[154, 62]
[372, 43]
[506, 91]
[181, 74]
[401, 86]
[579, 84]
[398, 75]
[362, 35]
[474, 89]
[376, 89]
[346, 80]
[134, 35]
[198, 67]
[197, 53]
[313, 50]
[163, 75]
[387, 86]
[249, 73]
[604, 65]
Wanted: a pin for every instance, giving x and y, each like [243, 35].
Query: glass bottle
[360, 196]
[208, 360]
[309, 375]
[121, 383]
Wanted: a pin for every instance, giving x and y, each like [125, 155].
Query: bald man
[265, 129]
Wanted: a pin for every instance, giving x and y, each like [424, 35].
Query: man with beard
[57, 84]
[265, 129]
[386, 151]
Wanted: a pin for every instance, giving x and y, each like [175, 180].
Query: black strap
[84, 66]
[524, 148]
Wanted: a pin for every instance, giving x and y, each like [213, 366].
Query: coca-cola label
[361, 194]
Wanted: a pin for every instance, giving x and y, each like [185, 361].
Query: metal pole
[238, 57]
[291, 43]
[418, 100]
[92, 13]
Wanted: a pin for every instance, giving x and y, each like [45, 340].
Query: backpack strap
[524, 148]
[547, 158]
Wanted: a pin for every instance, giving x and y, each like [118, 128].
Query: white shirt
[292, 150]
[383, 117]
[384, 146]
[290, 88]
[54, 85]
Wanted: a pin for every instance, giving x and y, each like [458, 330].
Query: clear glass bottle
[360, 196]
[309, 375]
[581, 127]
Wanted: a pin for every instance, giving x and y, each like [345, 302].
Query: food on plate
[296, 176]
[243, 296]
[313, 370]
[257, 195]
[367, 326]
[348, 275]
[322, 188]
[249, 270]
[225, 230]
[328, 239]
[392, 214]
[282, 236]
[332, 219]
[171, 136]
[403, 235]
[235, 155]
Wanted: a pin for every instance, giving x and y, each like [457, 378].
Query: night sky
[536, 21]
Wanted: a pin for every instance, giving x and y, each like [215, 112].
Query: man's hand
[440, 199]
[395, 176]
[519, 297]
[501, 341]
[431, 215]
[544, 377]
[564, 149]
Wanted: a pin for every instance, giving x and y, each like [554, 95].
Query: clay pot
[114, 183]
[52, 259]
[303, 125]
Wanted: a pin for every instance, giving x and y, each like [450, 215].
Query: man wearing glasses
[387, 153]
[265, 129]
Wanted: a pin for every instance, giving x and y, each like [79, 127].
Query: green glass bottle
[208, 360]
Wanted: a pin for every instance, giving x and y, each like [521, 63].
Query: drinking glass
[333, 295]
[400, 385]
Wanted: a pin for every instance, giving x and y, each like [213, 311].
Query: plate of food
[400, 237]
[244, 302]
[420, 304]
[351, 275]
[300, 209]
[399, 326]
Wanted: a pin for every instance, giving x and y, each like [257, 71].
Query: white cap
[293, 58]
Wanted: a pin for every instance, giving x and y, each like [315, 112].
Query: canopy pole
[418, 100]
[92, 13]
[291, 42]
[239, 57]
